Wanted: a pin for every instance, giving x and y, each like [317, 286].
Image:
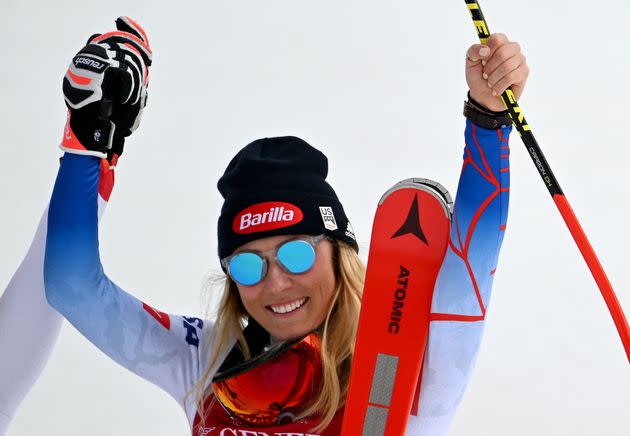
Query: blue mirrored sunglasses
[295, 256]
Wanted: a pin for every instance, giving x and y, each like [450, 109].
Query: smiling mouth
[283, 309]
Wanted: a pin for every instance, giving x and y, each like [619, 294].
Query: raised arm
[25, 352]
[464, 284]
[159, 347]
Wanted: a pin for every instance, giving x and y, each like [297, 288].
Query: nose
[277, 280]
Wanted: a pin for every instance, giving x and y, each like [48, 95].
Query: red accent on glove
[80, 80]
[106, 180]
[69, 140]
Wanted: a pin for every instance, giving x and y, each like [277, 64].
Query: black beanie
[277, 186]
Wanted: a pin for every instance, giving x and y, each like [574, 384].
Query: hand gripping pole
[556, 192]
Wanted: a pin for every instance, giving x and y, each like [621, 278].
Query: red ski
[409, 239]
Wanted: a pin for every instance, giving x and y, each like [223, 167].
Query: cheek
[324, 300]
[248, 298]
[326, 297]
[326, 280]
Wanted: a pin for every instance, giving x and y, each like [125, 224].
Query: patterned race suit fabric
[20, 364]
[171, 351]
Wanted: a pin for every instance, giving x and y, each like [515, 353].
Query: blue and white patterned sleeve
[464, 284]
[162, 348]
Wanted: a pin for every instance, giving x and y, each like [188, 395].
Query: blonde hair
[338, 337]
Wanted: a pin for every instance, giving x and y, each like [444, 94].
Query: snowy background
[378, 86]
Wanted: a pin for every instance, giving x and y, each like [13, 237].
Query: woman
[293, 284]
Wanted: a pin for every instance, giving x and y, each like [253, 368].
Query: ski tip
[431, 186]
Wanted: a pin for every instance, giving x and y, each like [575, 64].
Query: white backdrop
[378, 86]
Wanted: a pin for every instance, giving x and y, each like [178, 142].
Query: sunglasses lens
[246, 268]
[296, 256]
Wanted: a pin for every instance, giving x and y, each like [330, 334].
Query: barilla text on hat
[266, 216]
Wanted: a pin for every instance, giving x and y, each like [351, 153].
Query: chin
[286, 331]
[290, 327]
[287, 334]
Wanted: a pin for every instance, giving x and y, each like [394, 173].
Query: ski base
[409, 240]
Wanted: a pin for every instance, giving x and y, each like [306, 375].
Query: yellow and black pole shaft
[509, 100]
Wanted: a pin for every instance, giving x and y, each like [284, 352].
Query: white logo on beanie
[350, 231]
[328, 217]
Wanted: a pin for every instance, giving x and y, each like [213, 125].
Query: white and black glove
[105, 89]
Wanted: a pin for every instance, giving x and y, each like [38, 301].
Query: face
[275, 301]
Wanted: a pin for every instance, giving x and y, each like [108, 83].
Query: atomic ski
[409, 240]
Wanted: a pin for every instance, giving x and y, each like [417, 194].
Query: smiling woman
[281, 278]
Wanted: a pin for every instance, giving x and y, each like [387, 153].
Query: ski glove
[105, 89]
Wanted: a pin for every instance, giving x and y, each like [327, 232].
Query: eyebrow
[288, 238]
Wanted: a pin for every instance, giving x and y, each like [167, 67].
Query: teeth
[286, 308]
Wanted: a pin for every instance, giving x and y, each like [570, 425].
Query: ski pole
[509, 100]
